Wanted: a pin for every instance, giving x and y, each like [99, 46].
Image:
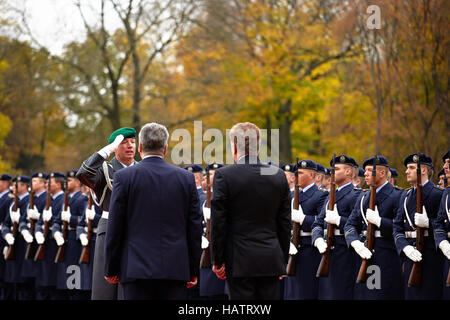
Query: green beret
[126, 132]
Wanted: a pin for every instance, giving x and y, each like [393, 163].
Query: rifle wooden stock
[61, 254]
[415, 277]
[40, 252]
[85, 254]
[292, 262]
[324, 267]
[30, 246]
[370, 237]
[447, 282]
[205, 260]
[11, 253]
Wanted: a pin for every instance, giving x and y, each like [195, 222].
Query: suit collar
[248, 159]
[117, 165]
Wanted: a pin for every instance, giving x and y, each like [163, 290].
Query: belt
[337, 232]
[413, 234]
[305, 234]
[377, 233]
[71, 228]
[105, 214]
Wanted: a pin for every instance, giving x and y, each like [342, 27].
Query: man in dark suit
[98, 175]
[250, 220]
[155, 224]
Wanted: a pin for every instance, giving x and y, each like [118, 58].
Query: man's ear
[165, 149]
[140, 148]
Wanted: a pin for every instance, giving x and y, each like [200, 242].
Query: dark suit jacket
[154, 225]
[250, 220]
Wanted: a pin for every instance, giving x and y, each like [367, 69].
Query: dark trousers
[257, 288]
[154, 289]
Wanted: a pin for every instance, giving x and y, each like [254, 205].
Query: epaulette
[358, 188]
[11, 195]
[407, 189]
[438, 187]
[398, 188]
[322, 189]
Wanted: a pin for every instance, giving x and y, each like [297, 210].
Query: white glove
[421, 219]
[47, 215]
[90, 214]
[84, 239]
[206, 212]
[445, 248]
[320, 244]
[27, 236]
[292, 249]
[15, 215]
[105, 152]
[59, 238]
[205, 243]
[33, 214]
[39, 237]
[373, 216]
[9, 238]
[297, 215]
[65, 215]
[412, 253]
[5, 251]
[333, 217]
[361, 249]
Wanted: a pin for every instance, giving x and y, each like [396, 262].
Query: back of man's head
[246, 137]
[153, 137]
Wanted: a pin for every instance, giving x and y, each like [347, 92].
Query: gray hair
[246, 137]
[153, 137]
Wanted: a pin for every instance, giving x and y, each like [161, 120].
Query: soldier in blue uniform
[211, 287]
[384, 255]
[6, 289]
[404, 230]
[47, 268]
[320, 175]
[94, 214]
[289, 171]
[24, 284]
[342, 276]
[38, 185]
[193, 293]
[393, 176]
[74, 214]
[442, 227]
[305, 285]
[441, 175]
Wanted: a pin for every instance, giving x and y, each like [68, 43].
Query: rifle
[205, 260]
[415, 277]
[30, 246]
[370, 237]
[61, 254]
[40, 252]
[291, 266]
[324, 266]
[85, 254]
[11, 254]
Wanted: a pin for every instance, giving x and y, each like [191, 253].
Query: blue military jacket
[408, 201]
[387, 201]
[345, 201]
[312, 202]
[442, 223]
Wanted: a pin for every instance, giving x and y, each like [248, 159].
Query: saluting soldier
[442, 226]
[305, 285]
[73, 215]
[340, 282]
[94, 214]
[6, 289]
[211, 287]
[405, 230]
[98, 175]
[47, 268]
[384, 255]
[24, 284]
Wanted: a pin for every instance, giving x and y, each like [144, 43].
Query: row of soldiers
[43, 216]
[395, 218]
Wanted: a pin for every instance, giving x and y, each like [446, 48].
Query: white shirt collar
[56, 195]
[3, 193]
[342, 187]
[308, 187]
[152, 155]
[380, 187]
